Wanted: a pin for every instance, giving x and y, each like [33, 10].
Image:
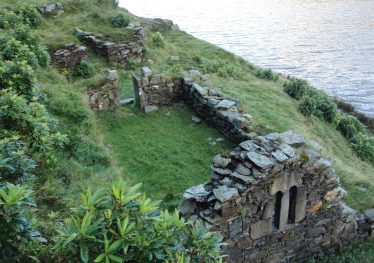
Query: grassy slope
[166, 151]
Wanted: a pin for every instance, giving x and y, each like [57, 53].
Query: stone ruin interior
[274, 198]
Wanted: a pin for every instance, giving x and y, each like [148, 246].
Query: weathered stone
[261, 228]
[127, 101]
[240, 168]
[292, 138]
[197, 193]
[249, 145]
[226, 181]
[272, 136]
[112, 75]
[335, 193]
[260, 160]
[315, 208]
[150, 108]
[235, 227]
[219, 161]
[146, 72]
[316, 231]
[223, 193]
[369, 214]
[279, 155]
[196, 119]
[221, 170]
[286, 149]
[225, 104]
[187, 207]
[245, 179]
[314, 145]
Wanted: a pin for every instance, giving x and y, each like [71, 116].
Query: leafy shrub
[349, 126]
[30, 122]
[267, 74]
[325, 107]
[307, 106]
[158, 40]
[29, 15]
[17, 229]
[83, 70]
[15, 165]
[198, 59]
[15, 50]
[8, 19]
[364, 146]
[220, 67]
[113, 3]
[19, 76]
[296, 88]
[120, 21]
[27, 37]
[121, 225]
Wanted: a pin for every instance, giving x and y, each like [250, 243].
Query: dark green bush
[158, 40]
[307, 105]
[364, 146]
[296, 88]
[267, 74]
[349, 126]
[15, 50]
[30, 122]
[15, 165]
[8, 19]
[83, 70]
[325, 108]
[17, 229]
[120, 21]
[222, 68]
[29, 15]
[119, 224]
[19, 76]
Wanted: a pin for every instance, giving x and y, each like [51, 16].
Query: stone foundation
[115, 52]
[69, 56]
[106, 95]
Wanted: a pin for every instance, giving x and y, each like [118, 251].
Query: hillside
[163, 150]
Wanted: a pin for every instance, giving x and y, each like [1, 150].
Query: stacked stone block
[106, 95]
[69, 56]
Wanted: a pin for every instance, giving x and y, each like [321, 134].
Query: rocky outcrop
[106, 95]
[275, 200]
[69, 56]
[51, 9]
[115, 52]
[158, 24]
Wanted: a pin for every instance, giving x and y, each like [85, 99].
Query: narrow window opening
[277, 210]
[292, 205]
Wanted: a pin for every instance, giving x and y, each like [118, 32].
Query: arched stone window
[278, 209]
[292, 205]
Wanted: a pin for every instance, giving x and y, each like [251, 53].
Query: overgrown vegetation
[317, 103]
[163, 150]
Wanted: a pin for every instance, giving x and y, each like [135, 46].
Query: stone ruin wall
[69, 56]
[115, 52]
[274, 198]
[106, 95]
[224, 113]
[274, 203]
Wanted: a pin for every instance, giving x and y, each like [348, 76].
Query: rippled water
[328, 42]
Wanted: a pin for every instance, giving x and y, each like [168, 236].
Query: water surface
[330, 43]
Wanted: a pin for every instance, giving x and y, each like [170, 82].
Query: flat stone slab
[288, 150]
[150, 108]
[224, 193]
[225, 104]
[279, 155]
[369, 213]
[197, 193]
[127, 101]
[219, 161]
[292, 138]
[244, 178]
[196, 119]
[249, 145]
[146, 72]
[260, 160]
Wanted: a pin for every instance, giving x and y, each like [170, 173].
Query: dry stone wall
[115, 52]
[275, 200]
[69, 56]
[224, 113]
[106, 95]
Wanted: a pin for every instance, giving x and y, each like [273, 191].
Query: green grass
[164, 150]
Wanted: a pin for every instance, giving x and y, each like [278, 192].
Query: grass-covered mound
[164, 150]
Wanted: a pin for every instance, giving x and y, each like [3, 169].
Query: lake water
[330, 43]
